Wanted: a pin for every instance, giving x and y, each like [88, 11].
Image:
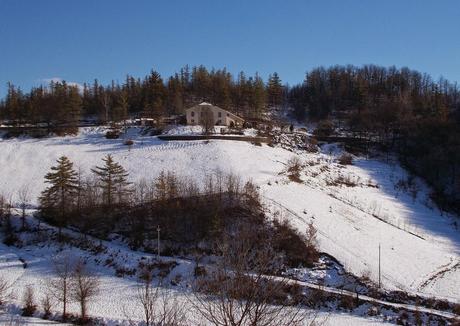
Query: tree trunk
[64, 310]
[64, 297]
[23, 218]
[83, 309]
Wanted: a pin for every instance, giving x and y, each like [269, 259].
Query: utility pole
[158, 252]
[380, 283]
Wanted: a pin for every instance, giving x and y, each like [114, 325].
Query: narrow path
[366, 298]
[439, 273]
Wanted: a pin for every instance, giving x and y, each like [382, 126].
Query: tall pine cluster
[61, 105]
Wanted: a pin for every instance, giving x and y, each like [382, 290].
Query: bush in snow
[403, 318]
[46, 306]
[28, 301]
[294, 167]
[342, 180]
[373, 311]
[299, 249]
[311, 145]
[456, 309]
[348, 302]
[325, 128]
[199, 271]
[346, 159]
[112, 134]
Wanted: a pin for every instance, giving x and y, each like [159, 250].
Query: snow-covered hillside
[117, 302]
[420, 247]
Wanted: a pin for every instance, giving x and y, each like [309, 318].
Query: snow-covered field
[420, 247]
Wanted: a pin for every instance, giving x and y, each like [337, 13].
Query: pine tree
[201, 83]
[72, 107]
[13, 103]
[241, 94]
[113, 181]
[120, 112]
[175, 95]
[154, 95]
[57, 200]
[259, 97]
[274, 90]
[220, 88]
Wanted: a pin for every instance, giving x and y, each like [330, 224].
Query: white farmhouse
[220, 117]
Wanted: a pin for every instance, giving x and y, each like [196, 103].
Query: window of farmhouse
[193, 113]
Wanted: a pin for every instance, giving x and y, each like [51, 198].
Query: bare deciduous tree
[5, 291]
[5, 207]
[147, 295]
[240, 290]
[85, 286]
[207, 121]
[60, 285]
[10, 237]
[159, 305]
[24, 199]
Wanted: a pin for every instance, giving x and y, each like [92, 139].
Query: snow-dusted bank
[355, 208]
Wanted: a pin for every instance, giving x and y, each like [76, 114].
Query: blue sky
[82, 40]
